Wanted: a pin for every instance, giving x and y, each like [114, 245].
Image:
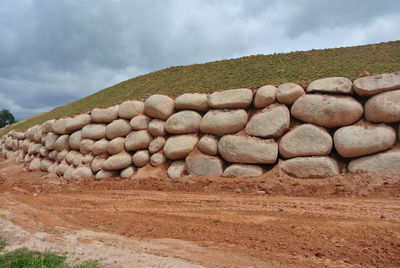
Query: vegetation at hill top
[246, 72]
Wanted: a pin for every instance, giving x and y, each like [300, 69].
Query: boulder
[105, 174]
[176, 169]
[75, 140]
[130, 109]
[87, 159]
[94, 131]
[271, 122]
[106, 115]
[221, 122]
[78, 122]
[203, 165]
[21, 135]
[288, 93]
[331, 85]
[310, 167]
[265, 96]
[53, 155]
[118, 128]
[192, 101]
[60, 126]
[53, 168]
[384, 107]
[140, 122]
[62, 143]
[231, 99]
[156, 145]
[61, 155]
[82, 172]
[97, 162]
[305, 140]
[117, 161]
[363, 139]
[34, 148]
[43, 151]
[61, 169]
[116, 145]
[45, 165]
[326, 110]
[250, 150]
[37, 133]
[100, 147]
[86, 146]
[48, 126]
[138, 140]
[68, 172]
[35, 164]
[25, 144]
[371, 85]
[183, 122]
[243, 171]
[387, 162]
[208, 144]
[78, 159]
[141, 158]
[157, 159]
[70, 157]
[178, 147]
[127, 172]
[50, 141]
[157, 127]
[159, 106]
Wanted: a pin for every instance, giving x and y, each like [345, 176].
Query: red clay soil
[274, 220]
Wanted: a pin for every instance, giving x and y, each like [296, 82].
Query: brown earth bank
[274, 220]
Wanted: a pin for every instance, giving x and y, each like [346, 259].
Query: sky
[53, 52]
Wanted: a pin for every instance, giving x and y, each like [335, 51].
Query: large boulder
[82, 172]
[94, 131]
[106, 115]
[48, 126]
[288, 93]
[384, 107]
[100, 147]
[157, 128]
[71, 156]
[156, 145]
[271, 122]
[75, 140]
[35, 164]
[231, 99]
[192, 101]
[140, 122]
[305, 140]
[106, 174]
[331, 85]
[251, 150]
[117, 161]
[127, 172]
[45, 164]
[130, 109]
[141, 158]
[265, 96]
[178, 147]
[61, 155]
[371, 85]
[310, 167]
[159, 106]
[242, 171]
[221, 122]
[60, 126]
[97, 163]
[78, 122]
[78, 159]
[203, 165]
[62, 143]
[183, 122]
[363, 139]
[86, 146]
[157, 159]
[116, 145]
[208, 144]
[327, 111]
[118, 128]
[50, 141]
[138, 140]
[387, 162]
[176, 169]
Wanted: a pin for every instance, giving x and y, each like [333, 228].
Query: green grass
[250, 72]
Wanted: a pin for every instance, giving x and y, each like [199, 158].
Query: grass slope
[249, 72]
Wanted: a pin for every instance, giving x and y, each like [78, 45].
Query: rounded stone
[104, 115]
[387, 163]
[86, 146]
[183, 122]
[48, 126]
[243, 171]
[204, 165]
[176, 169]
[141, 158]
[78, 159]
[138, 140]
[265, 96]
[61, 155]
[221, 122]
[371, 85]
[70, 156]
[178, 147]
[159, 106]
[192, 101]
[157, 128]
[97, 163]
[116, 145]
[140, 122]
[60, 126]
[331, 85]
[45, 165]
[288, 93]
[50, 141]
[117, 161]
[130, 109]
[208, 145]
[35, 164]
[78, 122]
[100, 147]
[384, 107]
[156, 145]
[310, 167]
[75, 140]
[106, 174]
[127, 172]
[82, 172]
[62, 143]
[118, 128]
[94, 131]
[157, 159]
[231, 99]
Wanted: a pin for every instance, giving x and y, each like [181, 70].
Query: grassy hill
[250, 72]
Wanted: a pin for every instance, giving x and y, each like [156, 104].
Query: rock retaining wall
[331, 127]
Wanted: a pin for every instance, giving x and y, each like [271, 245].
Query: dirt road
[136, 223]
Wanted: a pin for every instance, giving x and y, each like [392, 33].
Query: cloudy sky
[53, 52]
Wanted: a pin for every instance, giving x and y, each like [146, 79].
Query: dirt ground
[275, 220]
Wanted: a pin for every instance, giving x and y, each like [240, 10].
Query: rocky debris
[118, 128]
[231, 99]
[53, 155]
[331, 85]
[116, 145]
[35, 164]
[157, 159]
[371, 85]
[140, 122]
[243, 171]
[221, 122]
[156, 145]
[203, 165]
[288, 93]
[106, 174]
[208, 144]
[265, 96]
[309, 167]
[176, 169]
[100, 146]
[157, 127]
[94, 131]
[74, 140]
[78, 122]
[86, 146]
[363, 139]
[141, 158]
[62, 143]
[106, 115]
[244, 149]
[60, 126]
[127, 172]
[159, 106]
[50, 141]
[34, 148]
[326, 110]
[130, 109]
[82, 172]
[178, 147]
[387, 162]
[183, 122]
[384, 107]
[138, 140]
[192, 101]
[117, 161]
[271, 122]
[305, 140]
[37, 133]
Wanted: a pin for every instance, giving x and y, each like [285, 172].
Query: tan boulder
[61, 155]
[243, 171]
[78, 122]
[53, 168]
[53, 155]
[62, 143]
[48, 126]
[45, 164]
[61, 168]
[35, 164]
[141, 158]
[70, 157]
[221, 122]
[106, 115]
[118, 128]
[208, 144]
[106, 174]
[157, 128]
[326, 110]
[50, 141]
[159, 106]
[183, 122]
[78, 159]
[75, 140]
[60, 126]
[157, 159]
[371, 85]
[68, 172]
[140, 122]
[156, 145]
[97, 162]
[100, 147]
[310, 167]
[265, 96]
[87, 159]
[387, 162]
[192, 101]
[82, 172]
[231, 99]
[305, 140]
[176, 169]
[117, 161]
[203, 165]
[94, 131]
[86, 146]
[138, 140]
[116, 145]
[331, 85]
[37, 133]
[288, 93]
[384, 107]
[178, 147]
[127, 172]
[130, 109]
[244, 149]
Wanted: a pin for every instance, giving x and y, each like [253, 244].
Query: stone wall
[331, 127]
